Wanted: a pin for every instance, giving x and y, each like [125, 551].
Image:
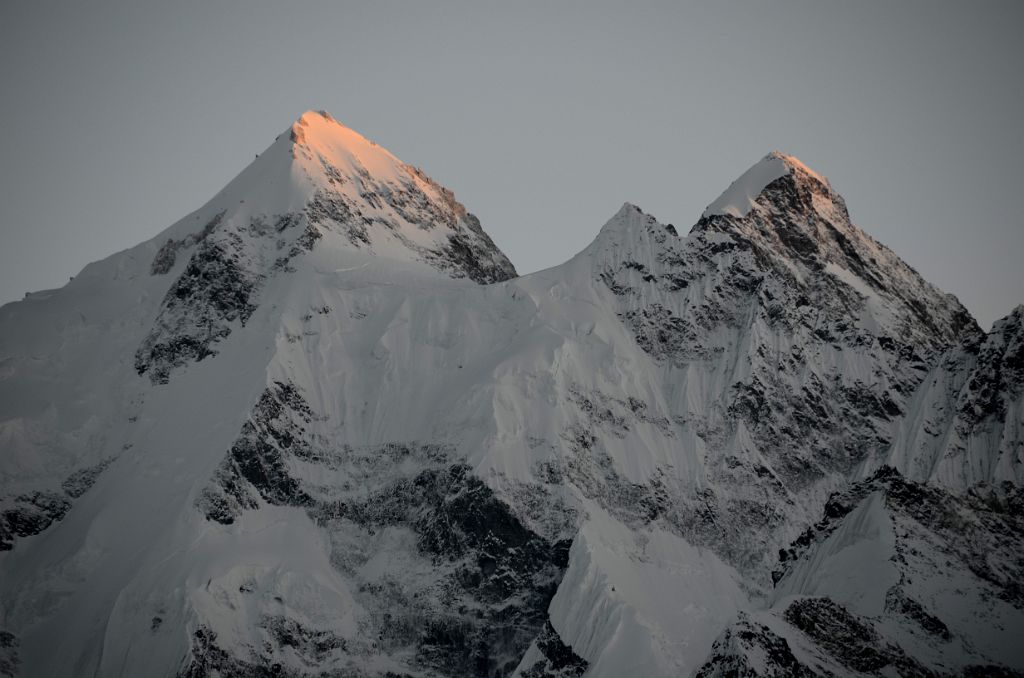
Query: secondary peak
[739, 198]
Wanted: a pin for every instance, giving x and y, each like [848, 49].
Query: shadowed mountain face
[319, 427]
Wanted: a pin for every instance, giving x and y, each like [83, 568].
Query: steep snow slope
[964, 426]
[740, 197]
[172, 300]
[897, 578]
[291, 435]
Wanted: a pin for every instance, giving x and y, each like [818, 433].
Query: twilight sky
[119, 117]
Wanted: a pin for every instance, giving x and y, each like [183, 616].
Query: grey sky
[118, 118]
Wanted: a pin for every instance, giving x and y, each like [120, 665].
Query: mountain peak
[311, 117]
[318, 130]
[322, 187]
[317, 136]
[798, 224]
[629, 212]
[319, 125]
[348, 190]
[628, 232]
[797, 167]
[739, 198]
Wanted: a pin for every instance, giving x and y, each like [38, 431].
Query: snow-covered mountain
[319, 427]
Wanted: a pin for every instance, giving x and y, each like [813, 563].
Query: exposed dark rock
[496, 575]
[659, 332]
[9, 660]
[32, 513]
[751, 650]
[838, 632]
[465, 258]
[207, 659]
[311, 645]
[334, 207]
[997, 374]
[256, 464]
[898, 602]
[852, 642]
[217, 290]
[509, 573]
[468, 253]
[559, 660]
[165, 258]
[616, 415]
[198, 311]
[79, 482]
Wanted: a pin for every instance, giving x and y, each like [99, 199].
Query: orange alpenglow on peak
[318, 136]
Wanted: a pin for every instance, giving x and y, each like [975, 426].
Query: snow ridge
[738, 199]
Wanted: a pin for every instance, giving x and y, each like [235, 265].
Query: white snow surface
[644, 603]
[738, 199]
[853, 566]
[386, 347]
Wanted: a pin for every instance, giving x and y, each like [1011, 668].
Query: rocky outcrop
[848, 640]
[965, 423]
[217, 291]
[9, 660]
[480, 599]
[32, 513]
[753, 650]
